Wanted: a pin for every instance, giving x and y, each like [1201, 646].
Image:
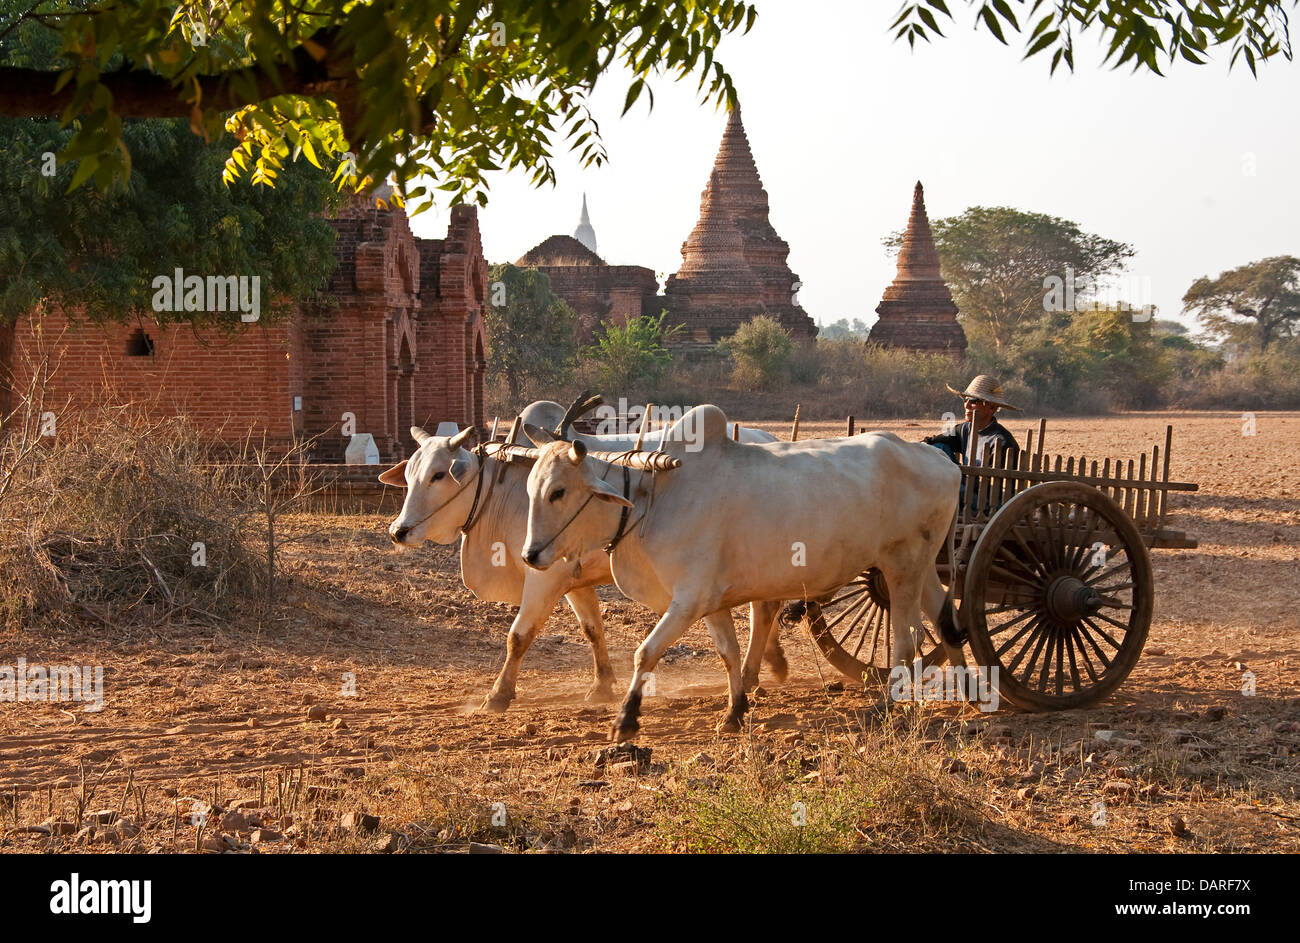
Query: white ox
[751, 523]
[441, 479]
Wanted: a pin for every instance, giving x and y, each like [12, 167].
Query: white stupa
[584, 233]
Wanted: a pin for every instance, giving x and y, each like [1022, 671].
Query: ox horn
[577, 452]
[419, 435]
[585, 403]
[460, 438]
[539, 435]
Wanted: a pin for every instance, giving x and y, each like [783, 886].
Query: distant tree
[634, 352]
[531, 333]
[1002, 265]
[1140, 33]
[843, 330]
[760, 353]
[1266, 292]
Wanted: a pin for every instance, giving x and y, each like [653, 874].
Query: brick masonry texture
[595, 291]
[734, 263]
[917, 311]
[397, 342]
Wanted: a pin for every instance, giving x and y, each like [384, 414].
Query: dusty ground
[214, 719]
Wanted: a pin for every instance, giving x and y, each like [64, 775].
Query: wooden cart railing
[1142, 493]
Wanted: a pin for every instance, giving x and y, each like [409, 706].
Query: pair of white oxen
[757, 522]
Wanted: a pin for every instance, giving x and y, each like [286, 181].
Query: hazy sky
[1199, 170]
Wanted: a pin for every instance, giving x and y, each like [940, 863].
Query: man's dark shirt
[958, 443]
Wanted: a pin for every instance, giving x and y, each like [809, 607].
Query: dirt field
[229, 721]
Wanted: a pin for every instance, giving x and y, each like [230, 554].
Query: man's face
[979, 413]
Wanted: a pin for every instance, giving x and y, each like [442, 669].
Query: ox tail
[950, 626]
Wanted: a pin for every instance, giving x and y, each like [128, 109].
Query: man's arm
[950, 443]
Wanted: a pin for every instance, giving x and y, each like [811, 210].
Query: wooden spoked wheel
[852, 630]
[1058, 596]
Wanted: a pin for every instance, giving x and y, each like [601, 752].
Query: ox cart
[1052, 568]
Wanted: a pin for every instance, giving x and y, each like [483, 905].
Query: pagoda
[917, 311]
[585, 233]
[734, 263]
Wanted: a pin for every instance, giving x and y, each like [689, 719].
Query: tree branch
[29, 93]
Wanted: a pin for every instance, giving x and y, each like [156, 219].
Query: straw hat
[986, 388]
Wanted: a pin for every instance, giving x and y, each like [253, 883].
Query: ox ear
[539, 435]
[606, 492]
[419, 435]
[577, 452]
[396, 475]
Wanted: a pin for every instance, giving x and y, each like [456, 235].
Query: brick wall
[399, 343]
[230, 384]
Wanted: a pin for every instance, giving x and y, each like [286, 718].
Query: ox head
[562, 482]
[436, 479]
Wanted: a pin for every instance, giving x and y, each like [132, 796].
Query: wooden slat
[986, 483]
[1058, 464]
[1129, 495]
[1029, 441]
[1094, 469]
[1169, 441]
[1069, 466]
[1141, 511]
[1042, 434]
[1157, 511]
[510, 438]
[850, 432]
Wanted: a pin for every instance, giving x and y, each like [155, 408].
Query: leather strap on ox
[622, 518]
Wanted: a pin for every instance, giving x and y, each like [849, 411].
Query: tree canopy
[391, 87]
[96, 256]
[455, 90]
[1143, 34]
[1266, 293]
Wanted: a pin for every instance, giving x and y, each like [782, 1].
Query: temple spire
[734, 263]
[918, 259]
[917, 311]
[585, 233]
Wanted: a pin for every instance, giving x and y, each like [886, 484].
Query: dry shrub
[121, 517]
[882, 791]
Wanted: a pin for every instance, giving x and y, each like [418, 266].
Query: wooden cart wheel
[1058, 596]
[853, 632]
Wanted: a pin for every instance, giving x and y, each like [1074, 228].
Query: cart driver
[982, 399]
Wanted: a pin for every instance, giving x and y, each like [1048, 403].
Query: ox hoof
[496, 703]
[779, 668]
[730, 725]
[624, 729]
[599, 694]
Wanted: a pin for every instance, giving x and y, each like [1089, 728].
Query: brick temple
[733, 262]
[594, 290]
[917, 311]
[403, 345]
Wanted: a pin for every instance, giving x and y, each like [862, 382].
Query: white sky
[1197, 170]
